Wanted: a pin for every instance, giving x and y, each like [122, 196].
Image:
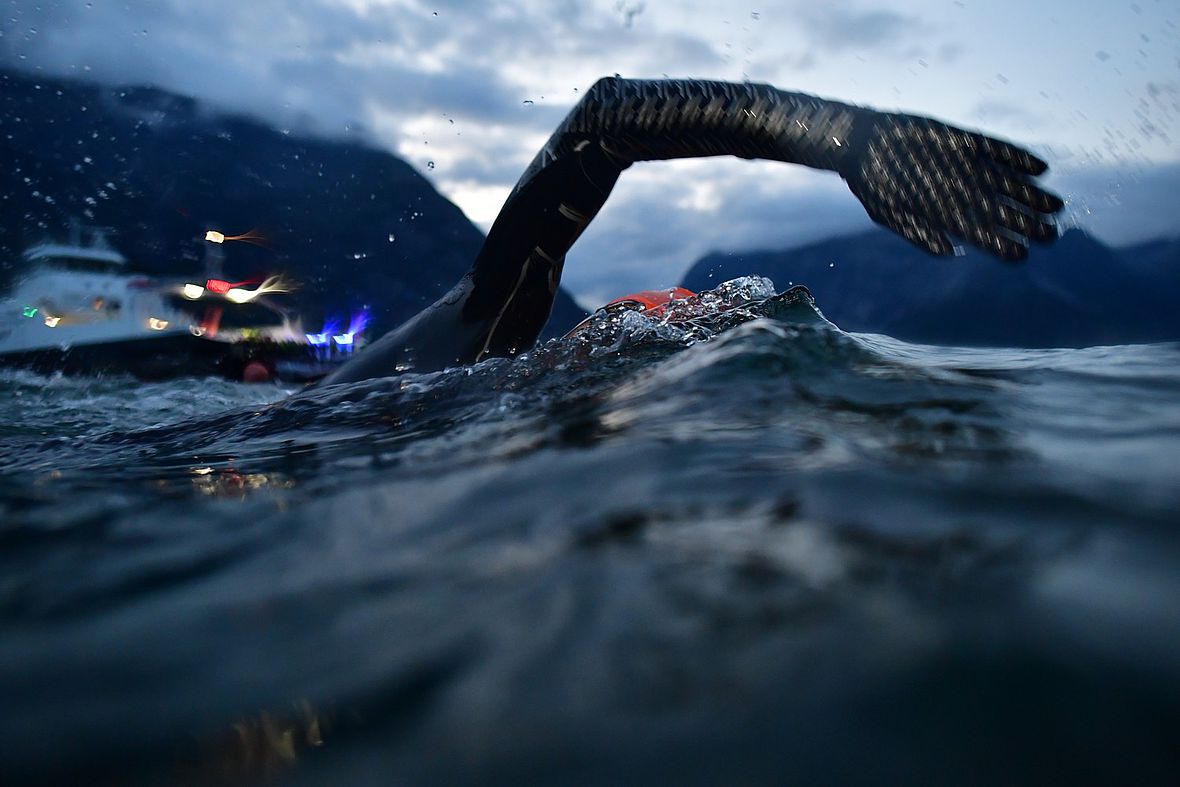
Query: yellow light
[213, 236]
[238, 295]
[52, 321]
[157, 324]
[192, 291]
[271, 284]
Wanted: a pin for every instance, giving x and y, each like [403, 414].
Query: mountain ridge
[355, 225]
[1075, 292]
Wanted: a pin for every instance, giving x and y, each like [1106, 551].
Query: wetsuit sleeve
[920, 177]
[645, 120]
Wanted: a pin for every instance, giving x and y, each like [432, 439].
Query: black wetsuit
[917, 176]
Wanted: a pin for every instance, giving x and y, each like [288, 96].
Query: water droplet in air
[430, 165]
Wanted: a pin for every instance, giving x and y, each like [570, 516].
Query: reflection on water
[229, 483]
[261, 746]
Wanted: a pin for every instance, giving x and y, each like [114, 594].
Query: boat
[79, 309]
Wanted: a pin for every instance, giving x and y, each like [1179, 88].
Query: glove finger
[1011, 155]
[1024, 192]
[979, 231]
[1025, 224]
[917, 232]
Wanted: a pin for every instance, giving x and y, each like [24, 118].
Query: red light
[218, 286]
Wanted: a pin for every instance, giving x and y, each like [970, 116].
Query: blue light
[316, 339]
[358, 322]
[344, 340]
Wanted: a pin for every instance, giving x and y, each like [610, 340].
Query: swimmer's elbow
[602, 89]
[603, 84]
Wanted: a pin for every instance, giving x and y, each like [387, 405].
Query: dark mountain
[1159, 259]
[1076, 292]
[354, 225]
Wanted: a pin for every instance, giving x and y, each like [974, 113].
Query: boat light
[52, 321]
[156, 324]
[218, 286]
[316, 339]
[344, 340]
[239, 295]
[253, 236]
[29, 311]
[192, 291]
[359, 321]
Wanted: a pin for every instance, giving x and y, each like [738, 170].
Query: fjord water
[751, 548]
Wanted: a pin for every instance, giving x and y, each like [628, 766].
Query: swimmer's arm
[921, 178]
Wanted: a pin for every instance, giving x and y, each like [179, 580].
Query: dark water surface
[777, 552]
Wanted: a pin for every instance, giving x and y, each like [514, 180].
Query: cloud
[836, 29]
[997, 111]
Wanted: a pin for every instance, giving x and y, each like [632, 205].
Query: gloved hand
[926, 180]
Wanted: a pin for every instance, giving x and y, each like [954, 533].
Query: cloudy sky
[467, 91]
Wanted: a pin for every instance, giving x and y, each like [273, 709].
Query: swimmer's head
[653, 303]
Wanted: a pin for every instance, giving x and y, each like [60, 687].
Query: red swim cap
[651, 302]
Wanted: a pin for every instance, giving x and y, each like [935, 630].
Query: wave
[739, 513]
[741, 353]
